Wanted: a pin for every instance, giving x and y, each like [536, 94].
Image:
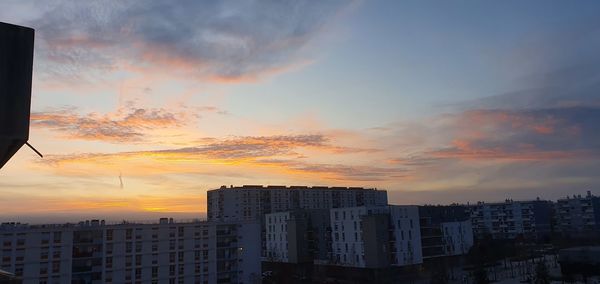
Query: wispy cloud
[221, 40]
[271, 153]
[127, 124]
[537, 134]
[119, 127]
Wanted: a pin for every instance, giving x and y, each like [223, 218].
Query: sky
[140, 107]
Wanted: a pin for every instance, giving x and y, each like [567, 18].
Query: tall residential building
[299, 236]
[252, 202]
[445, 230]
[512, 219]
[164, 252]
[577, 214]
[375, 236]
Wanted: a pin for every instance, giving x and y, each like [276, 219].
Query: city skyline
[140, 108]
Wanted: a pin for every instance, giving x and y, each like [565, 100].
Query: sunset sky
[141, 106]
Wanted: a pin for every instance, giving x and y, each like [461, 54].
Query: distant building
[578, 215]
[252, 202]
[165, 252]
[445, 230]
[512, 219]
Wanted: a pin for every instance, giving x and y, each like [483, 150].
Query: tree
[541, 274]
[480, 275]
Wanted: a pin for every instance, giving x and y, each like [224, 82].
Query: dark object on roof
[16, 65]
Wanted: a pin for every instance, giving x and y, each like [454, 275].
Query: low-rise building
[164, 252]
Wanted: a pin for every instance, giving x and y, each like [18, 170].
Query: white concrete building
[251, 202]
[360, 236]
[457, 237]
[277, 236]
[165, 252]
[299, 236]
[405, 223]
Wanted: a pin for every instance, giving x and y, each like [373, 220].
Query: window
[55, 267]
[128, 234]
[109, 235]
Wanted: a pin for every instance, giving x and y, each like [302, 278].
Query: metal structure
[16, 65]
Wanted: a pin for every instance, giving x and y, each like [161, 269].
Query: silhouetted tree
[480, 275]
[541, 274]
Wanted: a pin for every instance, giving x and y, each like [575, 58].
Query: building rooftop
[295, 187]
[13, 226]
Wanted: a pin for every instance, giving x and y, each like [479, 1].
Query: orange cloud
[124, 125]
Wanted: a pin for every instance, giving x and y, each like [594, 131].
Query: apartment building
[375, 236]
[407, 245]
[457, 237]
[512, 219]
[445, 230]
[252, 202]
[299, 236]
[164, 252]
[577, 214]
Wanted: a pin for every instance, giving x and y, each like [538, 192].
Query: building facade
[457, 237]
[578, 215]
[165, 252]
[252, 202]
[445, 230]
[512, 219]
[376, 236]
[300, 236]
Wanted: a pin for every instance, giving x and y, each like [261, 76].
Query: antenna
[36, 151]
